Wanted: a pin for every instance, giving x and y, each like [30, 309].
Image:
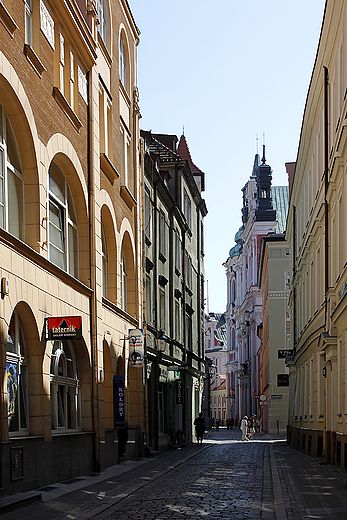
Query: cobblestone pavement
[224, 479]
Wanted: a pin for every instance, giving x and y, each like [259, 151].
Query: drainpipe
[326, 250]
[93, 303]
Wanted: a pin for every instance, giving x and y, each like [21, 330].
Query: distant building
[215, 352]
[274, 282]
[263, 212]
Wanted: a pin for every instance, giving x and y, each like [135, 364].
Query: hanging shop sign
[66, 327]
[118, 401]
[136, 348]
[282, 354]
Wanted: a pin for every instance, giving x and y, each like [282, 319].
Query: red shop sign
[64, 327]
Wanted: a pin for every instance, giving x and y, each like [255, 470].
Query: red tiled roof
[183, 151]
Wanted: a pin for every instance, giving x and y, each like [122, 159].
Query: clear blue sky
[227, 71]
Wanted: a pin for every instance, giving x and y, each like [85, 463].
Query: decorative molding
[108, 168]
[47, 24]
[33, 59]
[64, 105]
[7, 20]
[127, 196]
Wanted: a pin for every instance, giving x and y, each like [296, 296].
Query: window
[148, 214]
[287, 323]
[177, 251]
[162, 308]
[177, 321]
[11, 181]
[148, 299]
[187, 208]
[162, 234]
[105, 122]
[124, 157]
[62, 229]
[287, 279]
[122, 63]
[123, 283]
[29, 22]
[17, 377]
[102, 19]
[104, 263]
[188, 271]
[65, 387]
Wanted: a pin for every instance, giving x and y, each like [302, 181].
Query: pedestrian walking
[252, 427]
[217, 424]
[259, 426]
[199, 424]
[244, 427]
[236, 421]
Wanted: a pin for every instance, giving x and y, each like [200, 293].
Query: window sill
[108, 168]
[7, 20]
[64, 105]
[56, 433]
[33, 59]
[127, 196]
[162, 258]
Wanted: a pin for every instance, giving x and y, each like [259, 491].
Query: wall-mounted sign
[136, 348]
[118, 401]
[282, 354]
[179, 391]
[66, 327]
[276, 397]
[282, 379]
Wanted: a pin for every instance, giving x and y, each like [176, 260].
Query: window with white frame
[104, 263]
[287, 279]
[17, 378]
[29, 22]
[122, 63]
[11, 181]
[124, 156]
[65, 388]
[62, 226]
[123, 282]
[101, 8]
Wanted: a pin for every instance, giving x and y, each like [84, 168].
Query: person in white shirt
[243, 427]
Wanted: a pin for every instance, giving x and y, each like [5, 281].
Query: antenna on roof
[256, 141]
[183, 130]
[263, 138]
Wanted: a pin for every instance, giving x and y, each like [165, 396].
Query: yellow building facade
[70, 240]
[315, 230]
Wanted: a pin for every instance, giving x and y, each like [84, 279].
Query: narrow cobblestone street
[223, 479]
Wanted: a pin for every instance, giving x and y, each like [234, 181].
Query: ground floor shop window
[65, 387]
[17, 378]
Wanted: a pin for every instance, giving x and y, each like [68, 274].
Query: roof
[221, 331]
[183, 151]
[155, 147]
[280, 202]
[222, 385]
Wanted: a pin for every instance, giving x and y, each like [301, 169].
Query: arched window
[11, 181]
[233, 291]
[17, 377]
[65, 388]
[102, 19]
[123, 282]
[104, 264]
[62, 230]
[122, 63]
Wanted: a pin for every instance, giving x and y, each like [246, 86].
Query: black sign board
[282, 379]
[282, 354]
[118, 401]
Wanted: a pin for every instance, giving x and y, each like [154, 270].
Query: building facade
[215, 351]
[262, 213]
[274, 281]
[70, 240]
[315, 231]
[174, 288]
